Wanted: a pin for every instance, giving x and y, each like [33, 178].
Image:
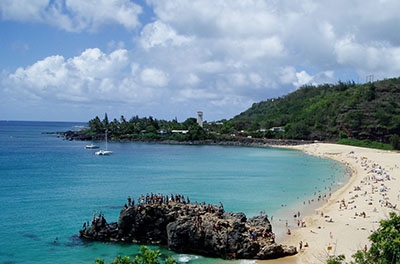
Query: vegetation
[368, 111]
[357, 114]
[385, 246]
[146, 256]
[365, 143]
[148, 129]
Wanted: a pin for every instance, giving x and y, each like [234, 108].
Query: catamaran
[103, 152]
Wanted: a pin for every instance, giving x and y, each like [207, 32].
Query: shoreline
[343, 223]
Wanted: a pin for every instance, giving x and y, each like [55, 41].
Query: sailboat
[103, 152]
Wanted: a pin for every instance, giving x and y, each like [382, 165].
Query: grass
[365, 143]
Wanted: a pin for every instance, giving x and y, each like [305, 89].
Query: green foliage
[361, 257]
[395, 141]
[342, 135]
[196, 132]
[146, 256]
[105, 120]
[117, 260]
[336, 259]
[385, 247]
[364, 143]
[96, 126]
[328, 112]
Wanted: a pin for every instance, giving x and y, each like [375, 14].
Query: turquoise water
[49, 187]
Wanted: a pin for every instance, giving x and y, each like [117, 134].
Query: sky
[72, 60]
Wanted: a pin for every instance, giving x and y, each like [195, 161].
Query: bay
[49, 187]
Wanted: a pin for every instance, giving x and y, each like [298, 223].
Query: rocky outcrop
[191, 228]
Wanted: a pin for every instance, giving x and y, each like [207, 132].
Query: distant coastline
[233, 141]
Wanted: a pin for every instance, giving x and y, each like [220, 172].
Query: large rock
[191, 228]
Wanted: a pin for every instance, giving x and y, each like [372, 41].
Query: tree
[95, 125]
[385, 247]
[196, 132]
[146, 256]
[105, 121]
[189, 122]
[395, 141]
[336, 259]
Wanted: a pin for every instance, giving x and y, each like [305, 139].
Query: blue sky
[72, 60]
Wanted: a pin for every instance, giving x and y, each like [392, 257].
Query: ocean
[49, 187]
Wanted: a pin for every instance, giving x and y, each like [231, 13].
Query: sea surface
[49, 187]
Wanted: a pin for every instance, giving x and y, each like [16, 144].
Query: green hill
[368, 111]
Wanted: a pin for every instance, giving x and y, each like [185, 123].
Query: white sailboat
[103, 152]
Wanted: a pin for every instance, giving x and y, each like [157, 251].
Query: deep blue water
[49, 186]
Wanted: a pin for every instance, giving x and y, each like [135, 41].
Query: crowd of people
[160, 199]
[157, 199]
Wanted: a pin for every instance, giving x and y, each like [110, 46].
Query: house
[277, 129]
[178, 131]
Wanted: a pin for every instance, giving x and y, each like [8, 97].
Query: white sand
[355, 209]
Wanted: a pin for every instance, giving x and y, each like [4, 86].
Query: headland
[186, 227]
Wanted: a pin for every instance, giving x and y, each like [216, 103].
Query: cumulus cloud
[160, 34]
[376, 57]
[154, 77]
[91, 75]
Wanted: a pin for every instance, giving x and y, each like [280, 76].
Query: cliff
[191, 228]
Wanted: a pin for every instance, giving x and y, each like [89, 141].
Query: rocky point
[186, 227]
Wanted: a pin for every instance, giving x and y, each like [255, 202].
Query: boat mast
[106, 139]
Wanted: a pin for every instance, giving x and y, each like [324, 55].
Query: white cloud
[255, 78]
[41, 77]
[93, 74]
[302, 78]
[369, 58]
[94, 13]
[73, 15]
[187, 94]
[154, 77]
[211, 67]
[252, 48]
[287, 75]
[160, 34]
[23, 10]
[192, 79]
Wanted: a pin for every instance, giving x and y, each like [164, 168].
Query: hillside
[328, 112]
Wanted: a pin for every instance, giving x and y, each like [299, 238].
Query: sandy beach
[348, 216]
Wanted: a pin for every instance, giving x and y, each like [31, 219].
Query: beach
[349, 215]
